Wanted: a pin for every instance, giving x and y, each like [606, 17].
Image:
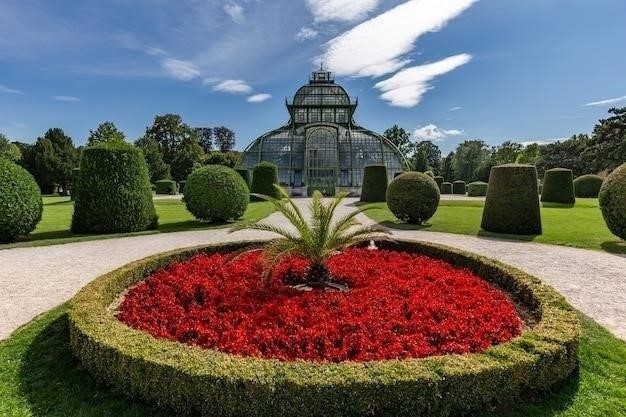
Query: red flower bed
[400, 305]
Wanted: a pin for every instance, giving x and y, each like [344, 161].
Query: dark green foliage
[181, 186]
[216, 193]
[106, 132]
[612, 199]
[431, 153]
[200, 381]
[166, 187]
[512, 203]
[157, 168]
[558, 186]
[374, 183]
[245, 174]
[224, 138]
[327, 188]
[446, 188]
[264, 176]
[458, 187]
[607, 148]
[430, 173]
[413, 197]
[53, 158]
[75, 174]
[447, 166]
[400, 138]
[468, 157]
[229, 158]
[21, 205]
[563, 154]
[477, 189]
[439, 180]
[113, 192]
[588, 186]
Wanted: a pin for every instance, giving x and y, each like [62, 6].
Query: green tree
[9, 150]
[228, 159]
[431, 153]
[187, 158]
[469, 156]
[224, 138]
[447, 167]
[53, 158]
[401, 138]
[157, 168]
[106, 132]
[420, 161]
[529, 154]
[563, 154]
[205, 138]
[607, 148]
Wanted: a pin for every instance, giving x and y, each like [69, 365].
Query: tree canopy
[106, 132]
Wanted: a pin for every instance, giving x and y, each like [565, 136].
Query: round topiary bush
[439, 180]
[588, 186]
[264, 178]
[430, 174]
[21, 204]
[458, 187]
[612, 198]
[375, 183]
[166, 187]
[113, 193]
[558, 186]
[245, 174]
[446, 188]
[477, 189]
[413, 197]
[512, 203]
[216, 193]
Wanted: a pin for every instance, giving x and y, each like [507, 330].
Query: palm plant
[315, 241]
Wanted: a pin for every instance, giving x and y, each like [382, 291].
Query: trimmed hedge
[459, 187]
[439, 180]
[113, 193]
[612, 200]
[558, 186]
[216, 193]
[477, 189]
[75, 174]
[375, 183]
[207, 382]
[413, 197]
[166, 187]
[21, 204]
[512, 203]
[245, 174]
[446, 188]
[264, 176]
[588, 186]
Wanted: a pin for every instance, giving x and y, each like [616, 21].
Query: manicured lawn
[579, 226]
[39, 377]
[173, 217]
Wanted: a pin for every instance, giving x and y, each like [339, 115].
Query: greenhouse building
[321, 147]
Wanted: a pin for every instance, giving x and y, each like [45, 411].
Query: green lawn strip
[173, 217]
[39, 377]
[580, 226]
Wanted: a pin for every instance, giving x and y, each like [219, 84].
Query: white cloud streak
[5, 89]
[456, 108]
[231, 86]
[606, 102]
[306, 34]
[179, 69]
[434, 133]
[341, 10]
[406, 88]
[67, 99]
[259, 98]
[235, 11]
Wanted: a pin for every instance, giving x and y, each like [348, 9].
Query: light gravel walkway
[34, 280]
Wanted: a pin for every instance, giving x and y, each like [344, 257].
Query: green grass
[173, 217]
[580, 226]
[39, 377]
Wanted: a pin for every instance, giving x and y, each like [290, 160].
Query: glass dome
[321, 147]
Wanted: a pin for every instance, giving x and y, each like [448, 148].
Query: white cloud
[69, 99]
[230, 86]
[406, 88]
[235, 12]
[5, 89]
[180, 70]
[306, 34]
[434, 133]
[340, 10]
[607, 101]
[456, 108]
[259, 98]
[542, 141]
[379, 46]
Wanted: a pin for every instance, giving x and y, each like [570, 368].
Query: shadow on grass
[616, 247]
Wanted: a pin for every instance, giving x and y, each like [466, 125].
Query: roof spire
[322, 65]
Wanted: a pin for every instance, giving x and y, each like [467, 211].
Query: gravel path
[34, 280]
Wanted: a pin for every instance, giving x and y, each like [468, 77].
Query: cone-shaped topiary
[558, 186]
[216, 193]
[264, 177]
[166, 187]
[413, 197]
[245, 174]
[512, 203]
[477, 189]
[446, 188]
[458, 187]
[612, 200]
[113, 193]
[588, 186]
[439, 180]
[21, 205]
[374, 183]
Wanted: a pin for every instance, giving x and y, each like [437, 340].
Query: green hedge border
[188, 379]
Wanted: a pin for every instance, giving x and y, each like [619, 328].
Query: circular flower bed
[400, 305]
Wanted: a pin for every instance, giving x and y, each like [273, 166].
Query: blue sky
[447, 70]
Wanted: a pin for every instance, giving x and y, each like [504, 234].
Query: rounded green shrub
[439, 180]
[216, 193]
[612, 198]
[375, 183]
[512, 203]
[264, 179]
[192, 381]
[413, 197]
[477, 189]
[113, 193]
[21, 204]
[458, 187]
[430, 174]
[245, 174]
[166, 187]
[558, 186]
[588, 186]
[446, 188]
